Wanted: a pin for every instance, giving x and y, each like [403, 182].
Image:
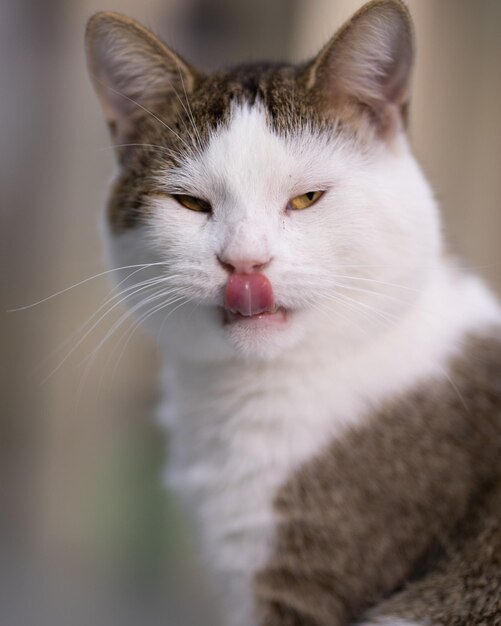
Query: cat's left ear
[364, 71]
[131, 68]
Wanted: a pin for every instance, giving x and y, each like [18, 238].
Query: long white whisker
[130, 312]
[160, 121]
[140, 145]
[91, 358]
[356, 310]
[176, 308]
[82, 282]
[74, 334]
[387, 317]
[189, 112]
[378, 282]
[87, 333]
[328, 312]
[130, 332]
[149, 283]
[359, 307]
[371, 292]
[455, 388]
[197, 136]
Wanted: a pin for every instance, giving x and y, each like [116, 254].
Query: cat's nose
[243, 265]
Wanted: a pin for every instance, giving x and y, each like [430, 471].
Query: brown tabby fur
[412, 498]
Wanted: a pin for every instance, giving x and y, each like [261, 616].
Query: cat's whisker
[350, 307]
[457, 266]
[186, 300]
[185, 110]
[198, 147]
[385, 316]
[91, 358]
[94, 325]
[130, 313]
[127, 335]
[188, 110]
[328, 297]
[378, 282]
[379, 294]
[169, 151]
[329, 312]
[192, 312]
[362, 307]
[130, 332]
[81, 329]
[316, 276]
[143, 108]
[456, 389]
[177, 296]
[82, 282]
[132, 290]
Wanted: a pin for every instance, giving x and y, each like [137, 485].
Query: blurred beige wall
[84, 515]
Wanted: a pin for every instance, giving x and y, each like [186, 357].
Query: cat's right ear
[131, 68]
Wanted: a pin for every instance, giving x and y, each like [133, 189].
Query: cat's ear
[131, 68]
[365, 68]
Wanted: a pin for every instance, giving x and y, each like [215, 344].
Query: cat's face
[275, 201]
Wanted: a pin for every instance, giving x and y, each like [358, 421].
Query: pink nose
[243, 266]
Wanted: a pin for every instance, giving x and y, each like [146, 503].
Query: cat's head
[274, 201]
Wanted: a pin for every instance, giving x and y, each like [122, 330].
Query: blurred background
[87, 533]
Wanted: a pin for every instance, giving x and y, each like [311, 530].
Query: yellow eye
[305, 200]
[192, 203]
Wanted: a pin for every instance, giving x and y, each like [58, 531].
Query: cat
[331, 376]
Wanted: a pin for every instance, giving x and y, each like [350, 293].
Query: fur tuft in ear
[130, 68]
[367, 65]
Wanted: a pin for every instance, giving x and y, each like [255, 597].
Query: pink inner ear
[249, 294]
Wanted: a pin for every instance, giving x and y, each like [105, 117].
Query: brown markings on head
[153, 98]
[408, 494]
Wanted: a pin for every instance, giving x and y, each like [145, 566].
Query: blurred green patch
[139, 528]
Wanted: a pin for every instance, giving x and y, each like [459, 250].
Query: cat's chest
[239, 431]
[230, 454]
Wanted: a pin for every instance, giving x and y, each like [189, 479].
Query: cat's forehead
[248, 161]
[185, 117]
[278, 88]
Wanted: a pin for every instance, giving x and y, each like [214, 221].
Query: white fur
[245, 408]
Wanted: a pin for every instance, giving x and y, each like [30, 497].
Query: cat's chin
[262, 336]
[267, 318]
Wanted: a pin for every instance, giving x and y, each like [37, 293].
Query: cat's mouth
[277, 315]
[250, 298]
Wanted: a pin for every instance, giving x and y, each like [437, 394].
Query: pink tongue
[249, 294]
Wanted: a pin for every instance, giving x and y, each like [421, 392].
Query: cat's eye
[304, 201]
[193, 203]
